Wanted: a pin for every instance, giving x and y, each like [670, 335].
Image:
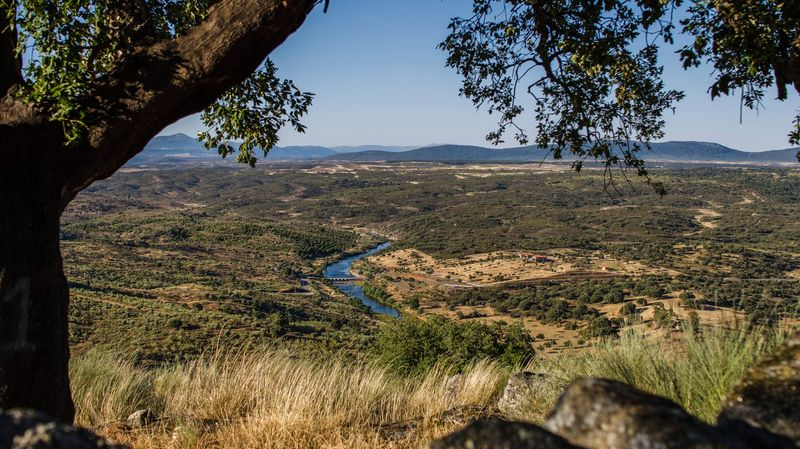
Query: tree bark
[158, 84]
[155, 86]
[34, 299]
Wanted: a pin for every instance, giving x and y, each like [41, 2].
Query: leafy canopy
[592, 72]
[68, 48]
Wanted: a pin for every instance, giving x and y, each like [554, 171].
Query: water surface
[341, 270]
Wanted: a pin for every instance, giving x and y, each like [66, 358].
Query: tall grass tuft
[696, 370]
[106, 387]
[276, 399]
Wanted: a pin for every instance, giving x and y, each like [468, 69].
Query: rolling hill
[179, 149]
[667, 151]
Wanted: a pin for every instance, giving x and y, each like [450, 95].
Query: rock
[764, 407]
[399, 431]
[141, 418]
[453, 386]
[28, 429]
[603, 414]
[517, 400]
[457, 416]
[496, 434]
[462, 415]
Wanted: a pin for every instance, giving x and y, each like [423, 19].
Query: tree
[84, 85]
[591, 67]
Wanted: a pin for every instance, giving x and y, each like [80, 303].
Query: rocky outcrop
[764, 407]
[603, 414]
[762, 412]
[496, 434]
[453, 386]
[27, 429]
[515, 402]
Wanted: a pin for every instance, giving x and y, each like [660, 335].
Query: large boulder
[603, 414]
[764, 407]
[518, 400]
[497, 434]
[27, 429]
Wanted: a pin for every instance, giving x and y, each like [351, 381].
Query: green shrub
[599, 327]
[411, 346]
[628, 308]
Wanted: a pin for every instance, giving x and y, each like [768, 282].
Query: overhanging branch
[158, 85]
[10, 61]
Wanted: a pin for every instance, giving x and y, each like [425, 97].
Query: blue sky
[379, 79]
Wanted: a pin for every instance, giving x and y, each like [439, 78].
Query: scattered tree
[592, 71]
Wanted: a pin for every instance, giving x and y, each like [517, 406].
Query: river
[341, 270]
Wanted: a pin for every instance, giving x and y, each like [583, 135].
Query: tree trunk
[34, 297]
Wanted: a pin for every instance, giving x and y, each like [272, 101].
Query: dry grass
[274, 400]
[279, 400]
[694, 370]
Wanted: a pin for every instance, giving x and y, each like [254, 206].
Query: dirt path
[107, 301]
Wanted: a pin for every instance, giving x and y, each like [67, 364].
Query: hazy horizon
[380, 80]
[484, 145]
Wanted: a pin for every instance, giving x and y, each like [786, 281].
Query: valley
[168, 264]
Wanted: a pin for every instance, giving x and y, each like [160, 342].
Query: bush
[628, 308]
[276, 324]
[661, 316]
[411, 346]
[599, 327]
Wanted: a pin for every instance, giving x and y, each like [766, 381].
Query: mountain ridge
[180, 148]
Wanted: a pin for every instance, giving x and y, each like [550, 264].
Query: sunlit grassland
[279, 399]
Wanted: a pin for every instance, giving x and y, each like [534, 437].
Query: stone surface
[457, 416]
[141, 418]
[497, 434]
[516, 400]
[764, 407]
[453, 386]
[27, 429]
[603, 414]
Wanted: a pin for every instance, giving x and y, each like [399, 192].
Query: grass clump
[276, 399]
[695, 370]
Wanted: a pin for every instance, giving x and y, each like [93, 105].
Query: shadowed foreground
[278, 399]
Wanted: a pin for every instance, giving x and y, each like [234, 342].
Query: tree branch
[10, 62]
[158, 85]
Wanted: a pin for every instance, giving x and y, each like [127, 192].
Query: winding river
[341, 270]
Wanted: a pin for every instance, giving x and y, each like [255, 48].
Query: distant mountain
[666, 152]
[448, 153]
[705, 151]
[299, 152]
[173, 149]
[181, 149]
[362, 148]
